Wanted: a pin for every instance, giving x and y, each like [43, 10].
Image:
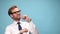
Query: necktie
[30, 33]
[19, 27]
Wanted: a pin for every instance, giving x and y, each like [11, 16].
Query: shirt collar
[16, 22]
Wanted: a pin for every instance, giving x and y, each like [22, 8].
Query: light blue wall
[44, 13]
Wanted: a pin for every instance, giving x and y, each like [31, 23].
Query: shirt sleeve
[33, 28]
[9, 31]
[17, 32]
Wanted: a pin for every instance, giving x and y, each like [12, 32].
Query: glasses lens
[16, 12]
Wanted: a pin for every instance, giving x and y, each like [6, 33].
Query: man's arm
[32, 26]
[23, 30]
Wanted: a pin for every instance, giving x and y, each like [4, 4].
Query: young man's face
[16, 14]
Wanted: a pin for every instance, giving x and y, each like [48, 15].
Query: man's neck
[17, 20]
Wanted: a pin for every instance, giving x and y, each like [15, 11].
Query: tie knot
[18, 23]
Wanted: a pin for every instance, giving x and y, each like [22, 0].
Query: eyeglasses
[16, 12]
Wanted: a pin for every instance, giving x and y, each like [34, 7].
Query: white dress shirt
[13, 28]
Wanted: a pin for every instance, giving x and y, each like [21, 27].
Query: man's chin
[18, 17]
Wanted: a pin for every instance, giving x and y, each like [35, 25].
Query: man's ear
[11, 15]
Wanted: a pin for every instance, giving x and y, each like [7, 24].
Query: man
[19, 27]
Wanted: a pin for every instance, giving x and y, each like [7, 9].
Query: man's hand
[25, 17]
[23, 30]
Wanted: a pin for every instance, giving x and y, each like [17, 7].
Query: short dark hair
[10, 9]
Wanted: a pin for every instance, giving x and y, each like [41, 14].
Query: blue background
[44, 13]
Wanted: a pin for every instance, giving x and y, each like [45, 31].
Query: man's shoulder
[9, 26]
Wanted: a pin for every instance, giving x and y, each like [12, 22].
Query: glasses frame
[16, 12]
